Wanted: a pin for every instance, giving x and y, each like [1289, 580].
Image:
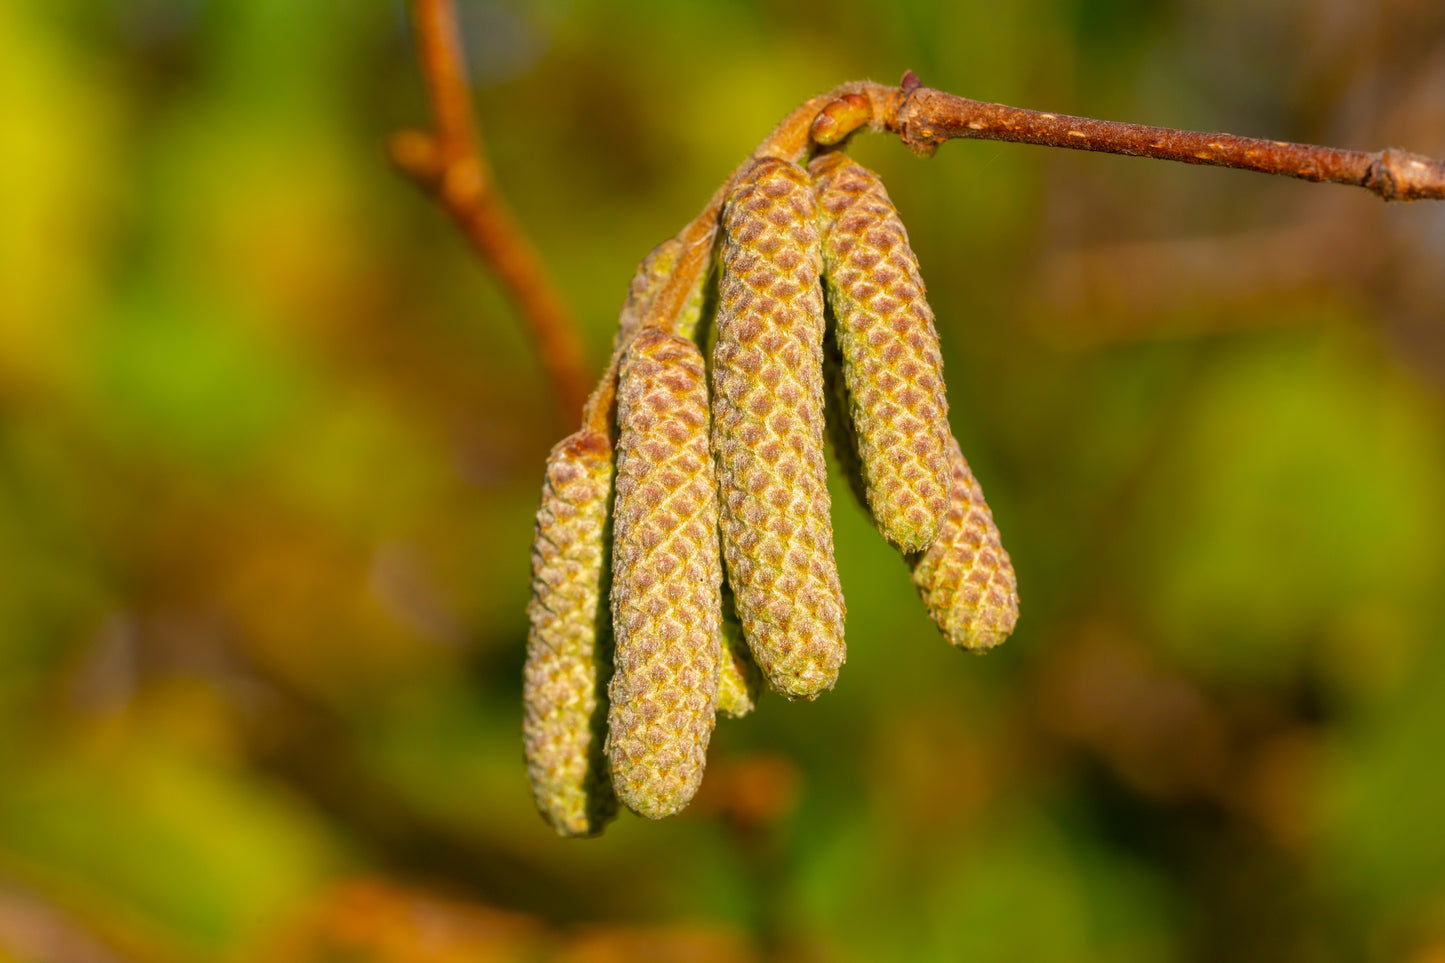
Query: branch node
[921, 138]
[1399, 175]
[416, 154]
[464, 182]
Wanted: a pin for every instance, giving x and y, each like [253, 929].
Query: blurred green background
[270, 444]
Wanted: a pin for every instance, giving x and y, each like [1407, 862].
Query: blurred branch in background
[1133, 290]
[1314, 254]
[32, 928]
[450, 163]
[381, 921]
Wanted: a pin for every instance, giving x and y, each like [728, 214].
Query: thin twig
[926, 117]
[450, 164]
[923, 118]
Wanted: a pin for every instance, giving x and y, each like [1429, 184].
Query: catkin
[837, 420]
[667, 577]
[891, 359]
[965, 577]
[648, 279]
[739, 682]
[768, 431]
[569, 644]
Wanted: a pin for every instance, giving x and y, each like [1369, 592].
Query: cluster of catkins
[684, 550]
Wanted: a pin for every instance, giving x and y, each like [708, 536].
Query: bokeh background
[270, 444]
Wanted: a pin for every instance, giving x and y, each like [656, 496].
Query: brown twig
[926, 117]
[923, 118]
[450, 164]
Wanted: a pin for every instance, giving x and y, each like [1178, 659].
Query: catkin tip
[965, 578]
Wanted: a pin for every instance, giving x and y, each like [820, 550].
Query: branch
[926, 118]
[450, 165]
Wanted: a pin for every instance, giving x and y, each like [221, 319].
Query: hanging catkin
[739, 682]
[890, 356]
[768, 430]
[739, 478]
[568, 646]
[837, 420]
[646, 281]
[965, 577]
[667, 578]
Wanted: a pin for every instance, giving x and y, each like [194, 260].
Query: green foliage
[270, 444]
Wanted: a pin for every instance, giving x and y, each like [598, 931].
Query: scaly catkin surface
[667, 578]
[838, 422]
[739, 681]
[651, 274]
[965, 577]
[891, 359]
[649, 277]
[569, 644]
[768, 431]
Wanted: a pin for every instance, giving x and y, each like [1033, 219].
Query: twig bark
[925, 118]
[450, 164]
